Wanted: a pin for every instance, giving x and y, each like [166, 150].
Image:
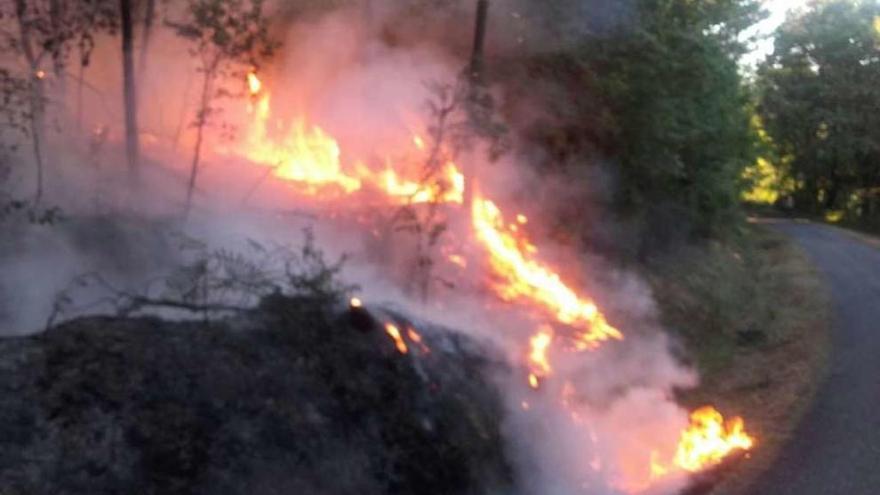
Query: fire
[524, 277]
[312, 158]
[540, 343]
[709, 439]
[658, 470]
[450, 188]
[395, 335]
[416, 338]
[254, 83]
[306, 155]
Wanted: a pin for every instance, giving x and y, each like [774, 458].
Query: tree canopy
[819, 95]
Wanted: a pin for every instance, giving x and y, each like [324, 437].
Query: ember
[395, 335]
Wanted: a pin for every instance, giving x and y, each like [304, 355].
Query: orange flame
[254, 83]
[539, 344]
[307, 155]
[312, 158]
[709, 439]
[658, 470]
[449, 189]
[416, 338]
[457, 260]
[394, 333]
[524, 277]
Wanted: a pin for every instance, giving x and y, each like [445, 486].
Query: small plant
[229, 38]
[426, 221]
[213, 282]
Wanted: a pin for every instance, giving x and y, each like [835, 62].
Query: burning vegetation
[434, 228]
[314, 163]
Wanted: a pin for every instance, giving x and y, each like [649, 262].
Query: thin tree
[477, 99]
[47, 31]
[30, 27]
[230, 37]
[475, 69]
[149, 18]
[132, 146]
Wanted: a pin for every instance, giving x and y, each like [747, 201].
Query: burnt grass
[290, 398]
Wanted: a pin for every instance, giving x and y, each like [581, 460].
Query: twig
[137, 302]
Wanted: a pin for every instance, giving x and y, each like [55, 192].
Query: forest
[651, 91]
[419, 246]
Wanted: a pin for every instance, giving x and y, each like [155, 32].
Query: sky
[765, 28]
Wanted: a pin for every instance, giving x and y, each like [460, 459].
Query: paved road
[837, 449]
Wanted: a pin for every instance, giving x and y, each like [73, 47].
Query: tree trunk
[56, 17]
[36, 98]
[201, 120]
[149, 16]
[130, 96]
[79, 92]
[476, 94]
[476, 65]
[36, 125]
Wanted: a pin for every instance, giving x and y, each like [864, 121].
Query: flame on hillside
[308, 156]
[311, 160]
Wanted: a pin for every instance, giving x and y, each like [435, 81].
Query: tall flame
[310, 157]
[540, 342]
[709, 439]
[395, 335]
[254, 83]
[307, 155]
[524, 277]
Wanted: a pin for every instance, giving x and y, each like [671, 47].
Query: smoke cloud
[594, 425]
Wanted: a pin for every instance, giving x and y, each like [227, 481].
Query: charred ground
[290, 397]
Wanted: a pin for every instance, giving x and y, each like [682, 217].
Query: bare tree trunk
[476, 65]
[79, 92]
[36, 98]
[475, 73]
[201, 120]
[36, 121]
[130, 96]
[56, 17]
[149, 16]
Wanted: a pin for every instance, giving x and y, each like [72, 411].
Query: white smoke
[593, 425]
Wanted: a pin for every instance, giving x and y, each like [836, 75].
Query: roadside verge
[754, 316]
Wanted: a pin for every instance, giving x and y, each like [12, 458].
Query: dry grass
[755, 316]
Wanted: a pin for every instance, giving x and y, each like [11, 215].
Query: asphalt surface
[837, 447]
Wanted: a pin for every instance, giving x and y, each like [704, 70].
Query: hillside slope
[292, 398]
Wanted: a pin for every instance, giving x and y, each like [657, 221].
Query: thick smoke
[592, 429]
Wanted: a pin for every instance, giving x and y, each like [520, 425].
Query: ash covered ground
[295, 396]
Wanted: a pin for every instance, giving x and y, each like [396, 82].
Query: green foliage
[820, 90]
[661, 99]
[49, 30]
[229, 36]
